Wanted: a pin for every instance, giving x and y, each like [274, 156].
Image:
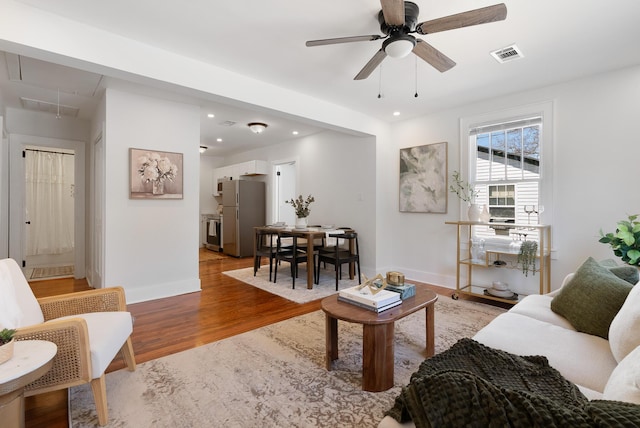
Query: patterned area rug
[274, 376]
[283, 288]
[49, 272]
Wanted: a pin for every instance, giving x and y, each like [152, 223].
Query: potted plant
[301, 207]
[625, 242]
[6, 344]
[466, 192]
[527, 257]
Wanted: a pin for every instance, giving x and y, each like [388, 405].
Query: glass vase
[158, 187]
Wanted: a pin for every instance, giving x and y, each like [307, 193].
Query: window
[502, 203]
[505, 160]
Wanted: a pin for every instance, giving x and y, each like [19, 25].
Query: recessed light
[396, 113]
[219, 140]
[211, 115]
[295, 132]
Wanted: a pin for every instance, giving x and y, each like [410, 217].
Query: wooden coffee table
[378, 332]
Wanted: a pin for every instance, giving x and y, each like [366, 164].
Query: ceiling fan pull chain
[380, 83]
[416, 72]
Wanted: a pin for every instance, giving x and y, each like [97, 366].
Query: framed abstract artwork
[155, 174]
[423, 179]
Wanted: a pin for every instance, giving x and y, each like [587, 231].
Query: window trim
[544, 109]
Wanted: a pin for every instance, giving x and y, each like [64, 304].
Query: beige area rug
[283, 287]
[274, 376]
[49, 272]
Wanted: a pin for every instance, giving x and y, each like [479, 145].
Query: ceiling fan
[398, 19]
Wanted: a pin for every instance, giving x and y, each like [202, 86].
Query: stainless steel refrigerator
[243, 209]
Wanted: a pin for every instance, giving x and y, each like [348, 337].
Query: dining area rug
[274, 376]
[283, 287]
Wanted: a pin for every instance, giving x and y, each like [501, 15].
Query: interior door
[97, 213]
[285, 185]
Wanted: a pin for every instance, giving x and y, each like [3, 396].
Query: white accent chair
[89, 328]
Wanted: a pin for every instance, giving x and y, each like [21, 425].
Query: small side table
[31, 360]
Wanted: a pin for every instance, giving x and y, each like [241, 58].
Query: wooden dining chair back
[291, 254]
[265, 246]
[339, 255]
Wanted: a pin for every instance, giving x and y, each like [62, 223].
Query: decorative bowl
[500, 286]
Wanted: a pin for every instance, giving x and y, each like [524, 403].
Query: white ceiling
[265, 40]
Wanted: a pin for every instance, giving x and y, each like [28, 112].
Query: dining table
[310, 234]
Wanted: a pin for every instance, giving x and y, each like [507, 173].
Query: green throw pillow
[591, 299]
[626, 272]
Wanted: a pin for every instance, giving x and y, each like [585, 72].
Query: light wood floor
[225, 307]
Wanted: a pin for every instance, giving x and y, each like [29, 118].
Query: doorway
[20, 218]
[284, 174]
[49, 212]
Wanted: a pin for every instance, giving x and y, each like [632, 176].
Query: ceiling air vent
[228, 123]
[507, 54]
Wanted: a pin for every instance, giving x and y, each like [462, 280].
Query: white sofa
[601, 368]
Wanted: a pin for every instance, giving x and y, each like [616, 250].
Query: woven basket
[6, 351]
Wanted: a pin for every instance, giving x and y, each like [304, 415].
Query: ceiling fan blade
[393, 11]
[483, 15]
[371, 65]
[343, 40]
[433, 56]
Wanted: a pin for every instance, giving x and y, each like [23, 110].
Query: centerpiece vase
[474, 212]
[301, 222]
[158, 187]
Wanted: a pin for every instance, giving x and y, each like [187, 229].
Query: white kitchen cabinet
[238, 170]
[254, 167]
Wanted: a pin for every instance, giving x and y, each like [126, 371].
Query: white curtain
[49, 202]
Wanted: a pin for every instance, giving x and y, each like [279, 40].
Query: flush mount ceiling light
[203, 149]
[399, 46]
[257, 127]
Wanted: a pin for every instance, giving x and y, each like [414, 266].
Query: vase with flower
[301, 207]
[467, 193]
[156, 169]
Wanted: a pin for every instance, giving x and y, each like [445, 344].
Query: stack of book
[406, 290]
[364, 298]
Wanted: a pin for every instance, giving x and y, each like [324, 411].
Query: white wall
[595, 176]
[208, 204]
[338, 170]
[151, 246]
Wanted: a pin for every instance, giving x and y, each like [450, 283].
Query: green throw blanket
[472, 385]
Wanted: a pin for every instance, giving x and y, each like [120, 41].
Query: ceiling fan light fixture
[399, 46]
[257, 127]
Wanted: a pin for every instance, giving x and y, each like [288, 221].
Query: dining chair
[265, 246]
[328, 245]
[339, 255]
[88, 327]
[291, 254]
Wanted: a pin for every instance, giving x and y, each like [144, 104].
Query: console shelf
[498, 258]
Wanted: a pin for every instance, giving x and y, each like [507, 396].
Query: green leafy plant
[463, 189]
[625, 242]
[6, 335]
[301, 206]
[527, 257]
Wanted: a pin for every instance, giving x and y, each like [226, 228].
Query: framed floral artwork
[155, 174]
[423, 179]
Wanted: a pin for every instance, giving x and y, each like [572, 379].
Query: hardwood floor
[225, 307]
